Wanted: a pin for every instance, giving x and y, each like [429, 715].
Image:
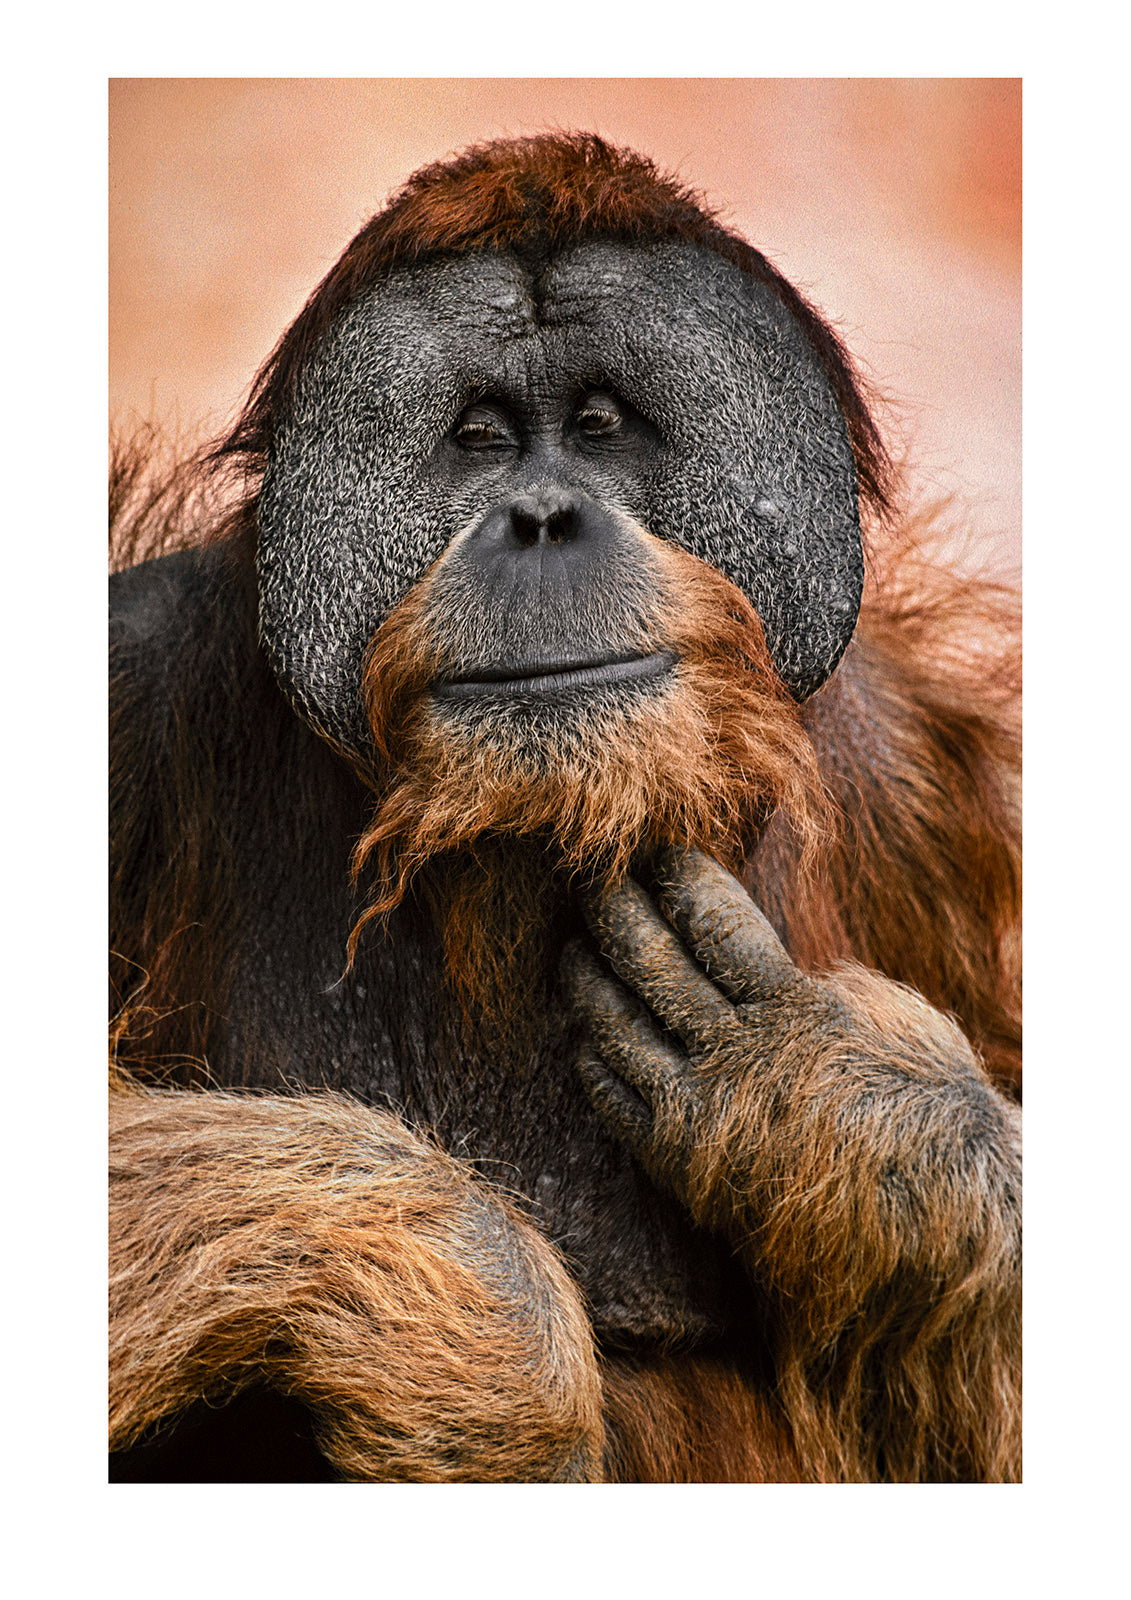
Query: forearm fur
[871, 1174]
[319, 1247]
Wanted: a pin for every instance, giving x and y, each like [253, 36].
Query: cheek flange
[760, 484]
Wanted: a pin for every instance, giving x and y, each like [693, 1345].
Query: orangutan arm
[844, 1135]
[317, 1249]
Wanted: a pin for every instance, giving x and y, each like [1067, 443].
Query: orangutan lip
[545, 680]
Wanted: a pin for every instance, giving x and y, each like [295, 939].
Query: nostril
[528, 527]
[525, 526]
[561, 525]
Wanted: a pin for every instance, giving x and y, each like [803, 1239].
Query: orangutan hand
[837, 1129]
[694, 997]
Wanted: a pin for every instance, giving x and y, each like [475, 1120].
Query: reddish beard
[509, 815]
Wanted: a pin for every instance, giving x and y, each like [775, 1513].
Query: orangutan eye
[599, 416]
[483, 427]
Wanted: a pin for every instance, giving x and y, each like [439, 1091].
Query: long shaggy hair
[316, 1245]
[704, 759]
[319, 1246]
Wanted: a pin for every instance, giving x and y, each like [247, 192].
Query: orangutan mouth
[551, 678]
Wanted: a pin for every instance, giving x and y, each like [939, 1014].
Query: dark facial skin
[558, 583]
[469, 401]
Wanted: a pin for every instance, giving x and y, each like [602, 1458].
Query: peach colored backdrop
[895, 204]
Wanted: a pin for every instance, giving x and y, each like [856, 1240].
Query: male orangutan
[608, 889]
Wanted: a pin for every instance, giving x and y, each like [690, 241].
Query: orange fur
[692, 1419]
[320, 1247]
[918, 740]
[874, 1189]
[906, 1366]
[707, 761]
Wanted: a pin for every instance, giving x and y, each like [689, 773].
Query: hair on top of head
[534, 196]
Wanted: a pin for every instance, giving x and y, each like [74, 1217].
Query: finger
[649, 957]
[627, 1113]
[722, 926]
[618, 1028]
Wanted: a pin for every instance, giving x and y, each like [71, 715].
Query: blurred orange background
[895, 204]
